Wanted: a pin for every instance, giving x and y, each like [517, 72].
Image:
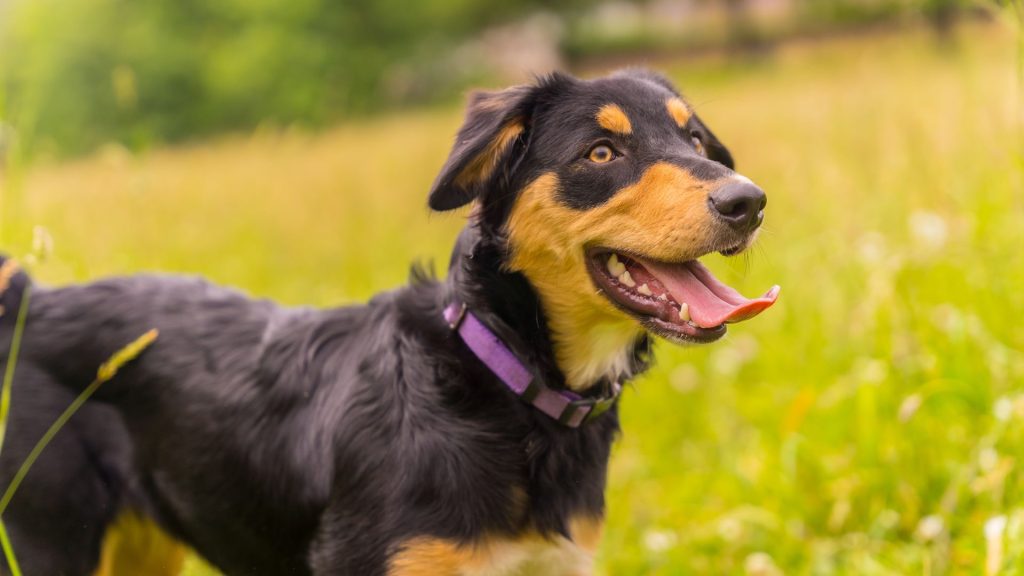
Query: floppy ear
[495, 123]
[713, 146]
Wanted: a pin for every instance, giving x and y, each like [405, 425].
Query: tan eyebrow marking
[678, 111]
[612, 118]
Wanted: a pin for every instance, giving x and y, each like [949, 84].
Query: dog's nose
[740, 204]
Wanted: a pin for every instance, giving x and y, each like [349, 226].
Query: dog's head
[604, 193]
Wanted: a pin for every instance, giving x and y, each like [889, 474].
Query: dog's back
[220, 363]
[232, 431]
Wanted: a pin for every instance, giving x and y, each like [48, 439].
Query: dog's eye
[601, 153]
[697, 143]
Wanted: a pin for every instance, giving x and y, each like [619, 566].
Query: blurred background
[870, 423]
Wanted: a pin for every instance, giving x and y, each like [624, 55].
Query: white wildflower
[930, 527]
[909, 407]
[730, 529]
[988, 459]
[928, 229]
[1003, 409]
[872, 249]
[760, 564]
[659, 540]
[995, 527]
[684, 378]
[873, 371]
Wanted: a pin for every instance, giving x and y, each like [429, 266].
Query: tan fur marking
[586, 532]
[678, 110]
[528, 554]
[480, 168]
[433, 556]
[135, 545]
[612, 118]
[663, 216]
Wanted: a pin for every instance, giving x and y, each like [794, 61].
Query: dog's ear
[495, 126]
[713, 146]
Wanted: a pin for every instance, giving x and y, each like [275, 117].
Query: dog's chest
[527, 555]
[559, 557]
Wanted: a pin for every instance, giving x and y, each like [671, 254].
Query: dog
[447, 427]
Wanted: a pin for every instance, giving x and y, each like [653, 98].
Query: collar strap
[566, 406]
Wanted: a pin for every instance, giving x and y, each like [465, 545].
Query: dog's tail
[13, 283]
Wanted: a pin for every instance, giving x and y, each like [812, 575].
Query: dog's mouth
[683, 301]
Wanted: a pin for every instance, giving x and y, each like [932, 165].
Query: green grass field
[872, 422]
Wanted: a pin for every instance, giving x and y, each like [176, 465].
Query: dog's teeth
[684, 312]
[615, 268]
[626, 279]
[643, 289]
[663, 297]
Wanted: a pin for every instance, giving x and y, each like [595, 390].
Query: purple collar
[565, 406]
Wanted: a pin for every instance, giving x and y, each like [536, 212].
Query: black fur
[300, 441]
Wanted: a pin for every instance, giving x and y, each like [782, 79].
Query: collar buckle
[591, 407]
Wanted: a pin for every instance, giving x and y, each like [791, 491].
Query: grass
[870, 423]
[5, 402]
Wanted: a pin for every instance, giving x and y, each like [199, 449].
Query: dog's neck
[508, 304]
[567, 466]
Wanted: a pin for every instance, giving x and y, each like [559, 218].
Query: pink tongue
[711, 302]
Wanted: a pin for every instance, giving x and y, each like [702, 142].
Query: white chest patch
[558, 557]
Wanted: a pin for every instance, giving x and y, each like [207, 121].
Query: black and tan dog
[390, 438]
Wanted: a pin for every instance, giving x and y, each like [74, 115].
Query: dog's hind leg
[59, 514]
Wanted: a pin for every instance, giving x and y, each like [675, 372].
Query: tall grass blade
[5, 406]
[12, 361]
[106, 371]
[5, 542]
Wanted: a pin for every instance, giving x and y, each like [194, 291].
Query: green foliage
[79, 73]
